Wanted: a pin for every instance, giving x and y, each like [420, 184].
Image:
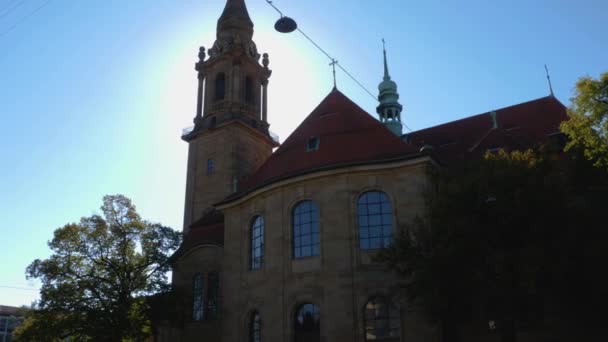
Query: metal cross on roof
[333, 66]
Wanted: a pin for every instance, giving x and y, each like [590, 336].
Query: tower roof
[347, 135]
[387, 84]
[235, 17]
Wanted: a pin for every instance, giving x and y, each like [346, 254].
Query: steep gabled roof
[347, 135]
[517, 127]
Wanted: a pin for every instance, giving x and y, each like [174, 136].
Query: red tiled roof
[520, 126]
[209, 229]
[347, 135]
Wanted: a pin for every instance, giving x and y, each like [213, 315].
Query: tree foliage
[503, 236]
[95, 282]
[587, 127]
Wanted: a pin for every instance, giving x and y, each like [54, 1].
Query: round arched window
[307, 323]
[255, 327]
[382, 321]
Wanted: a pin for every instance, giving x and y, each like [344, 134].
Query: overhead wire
[11, 6]
[24, 18]
[332, 59]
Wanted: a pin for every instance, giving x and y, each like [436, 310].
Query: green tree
[487, 246]
[94, 285]
[587, 127]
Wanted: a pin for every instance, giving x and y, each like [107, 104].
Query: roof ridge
[486, 113]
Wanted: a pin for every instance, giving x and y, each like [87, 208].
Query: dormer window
[312, 144]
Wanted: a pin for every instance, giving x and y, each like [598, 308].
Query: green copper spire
[387, 77]
[389, 109]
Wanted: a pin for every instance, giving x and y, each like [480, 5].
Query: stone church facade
[279, 246]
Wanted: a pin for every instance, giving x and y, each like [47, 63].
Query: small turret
[389, 109]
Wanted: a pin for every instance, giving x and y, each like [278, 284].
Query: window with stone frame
[198, 308]
[306, 232]
[307, 323]
[255, 327]
[375, 218]
[382, 320]
[256, 243]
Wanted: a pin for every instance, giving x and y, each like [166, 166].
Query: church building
[279, 246]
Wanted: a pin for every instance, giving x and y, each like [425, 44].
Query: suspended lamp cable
[332, 60]
[24, 18]
[11, 6]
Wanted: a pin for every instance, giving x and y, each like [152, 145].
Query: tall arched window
[220, 86]
[255, 327]
[375, 217]
[382, 321]
[307, 323]
[197, 297]
[249, 93]
[305, 224]
[257, 243]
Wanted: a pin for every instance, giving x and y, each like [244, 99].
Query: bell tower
[389, 109]
[230, 138]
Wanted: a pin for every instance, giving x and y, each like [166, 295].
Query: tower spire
[389, 109]
[235, 19]
[387, 76]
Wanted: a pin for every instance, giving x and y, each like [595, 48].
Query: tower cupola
[389, 109]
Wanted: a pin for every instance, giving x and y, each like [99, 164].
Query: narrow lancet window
[255, 327]
[257, 243]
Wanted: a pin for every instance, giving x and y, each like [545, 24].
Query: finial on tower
[549, 80]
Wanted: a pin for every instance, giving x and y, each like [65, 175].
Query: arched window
[220, 86]
[382, 321]
[197, 297]
[255, 327]
[307, 323]
[257, 243]
[375, 220]
[213, 295]
[249, 93]
[305, 229]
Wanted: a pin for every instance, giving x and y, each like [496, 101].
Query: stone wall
[341, 280]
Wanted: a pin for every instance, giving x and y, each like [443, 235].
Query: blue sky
[94, 94]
